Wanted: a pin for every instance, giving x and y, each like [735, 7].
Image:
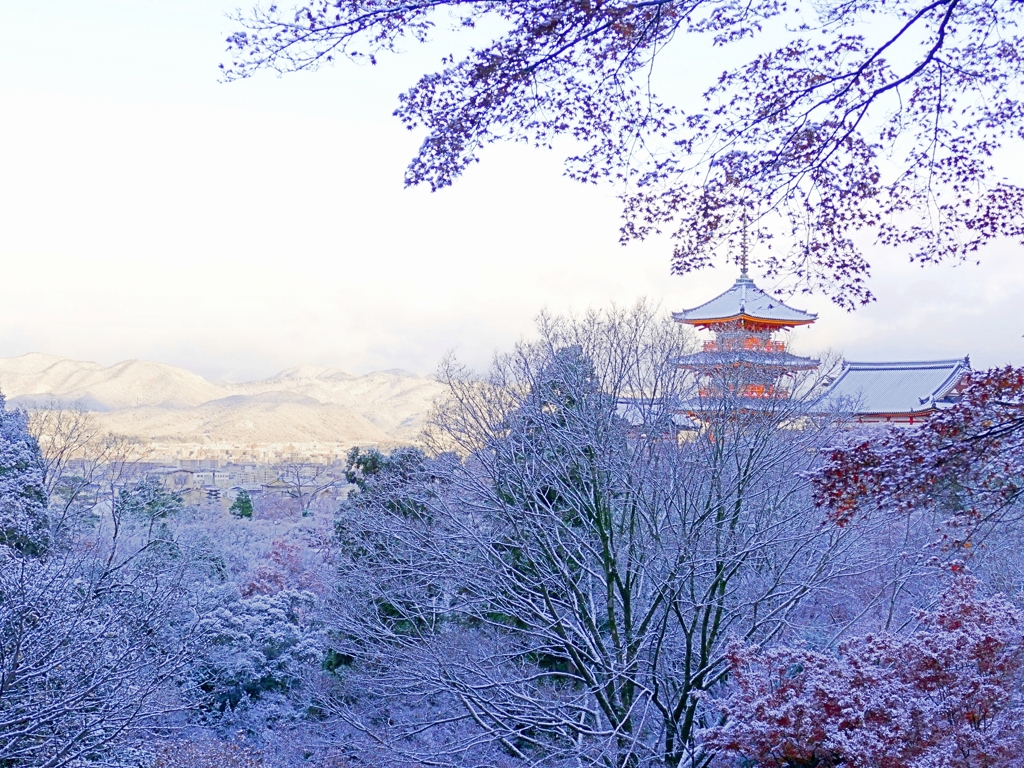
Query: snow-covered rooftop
[896, 388]
[651, 413]
[744, 300]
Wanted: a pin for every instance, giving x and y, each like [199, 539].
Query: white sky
[147, 211]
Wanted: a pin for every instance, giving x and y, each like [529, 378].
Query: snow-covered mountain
[169, 404]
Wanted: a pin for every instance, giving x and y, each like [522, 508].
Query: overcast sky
[148, 211]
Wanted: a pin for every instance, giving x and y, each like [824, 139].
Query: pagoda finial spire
[744, 250]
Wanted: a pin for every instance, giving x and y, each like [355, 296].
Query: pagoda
[744, 359]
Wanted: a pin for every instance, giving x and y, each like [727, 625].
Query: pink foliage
[947, 696]
[284, 567]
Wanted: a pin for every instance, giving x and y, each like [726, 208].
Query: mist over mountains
[168, 404]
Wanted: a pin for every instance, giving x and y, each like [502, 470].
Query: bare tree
[84, 466]
[96, 627]
[564, 594]
[307, 482]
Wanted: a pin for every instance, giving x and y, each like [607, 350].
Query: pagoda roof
[745, 302]
[897, 388]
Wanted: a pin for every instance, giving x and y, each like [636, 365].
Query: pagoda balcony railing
[748, 344]
[748, 391]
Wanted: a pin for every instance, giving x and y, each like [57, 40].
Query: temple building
[747, 363]
[898, 393]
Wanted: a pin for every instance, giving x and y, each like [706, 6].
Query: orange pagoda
[744, 359]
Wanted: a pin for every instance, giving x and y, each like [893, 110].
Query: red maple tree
[967, 461]
[946, 696]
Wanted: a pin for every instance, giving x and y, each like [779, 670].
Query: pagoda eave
[742, 320]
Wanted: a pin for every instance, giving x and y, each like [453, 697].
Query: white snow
[162, 402]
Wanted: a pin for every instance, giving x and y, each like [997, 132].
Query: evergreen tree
[242, 505]
[23, 523]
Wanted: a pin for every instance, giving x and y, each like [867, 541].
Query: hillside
[167, 404]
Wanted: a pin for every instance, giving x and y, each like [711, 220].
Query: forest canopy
[591, 559]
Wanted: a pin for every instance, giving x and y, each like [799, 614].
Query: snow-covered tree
[564, 593]
[257, 649]
[23, 522]
[96, 624]
[945, 696]
[86, 661]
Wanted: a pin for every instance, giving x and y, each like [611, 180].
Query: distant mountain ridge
[165, 403]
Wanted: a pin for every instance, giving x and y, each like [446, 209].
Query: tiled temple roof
[896, 388]
[745, 301]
